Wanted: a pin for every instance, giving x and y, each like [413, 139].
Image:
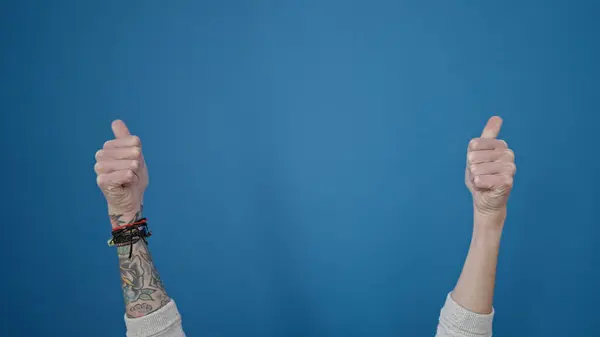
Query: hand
[122, 175]
[489, 174]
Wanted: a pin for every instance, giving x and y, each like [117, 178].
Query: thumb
[120, 129]
[492, 128]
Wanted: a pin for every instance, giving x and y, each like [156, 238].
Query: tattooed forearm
[143, 290]
[140, 309]
[115, 220]
[121, 219]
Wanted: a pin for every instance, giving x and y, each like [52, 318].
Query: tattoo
[143, 289]
[139, 310]
[115, 219]
[155, 280]
[134, 280]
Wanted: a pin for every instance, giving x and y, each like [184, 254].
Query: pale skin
[122, 176]
[489, 177]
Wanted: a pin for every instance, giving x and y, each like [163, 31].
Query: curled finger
[115, 179]
[491, 181]
[109, 166]
[132, 153]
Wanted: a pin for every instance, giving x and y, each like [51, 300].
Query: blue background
[306, 161]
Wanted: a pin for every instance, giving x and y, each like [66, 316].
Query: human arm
[149, 311]
[123, 177]
[489, 176]
[468, 310]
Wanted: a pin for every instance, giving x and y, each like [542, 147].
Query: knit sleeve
[456, 321]
[165, 322]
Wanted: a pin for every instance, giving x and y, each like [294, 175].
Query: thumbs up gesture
[490, 171]
[122, 175]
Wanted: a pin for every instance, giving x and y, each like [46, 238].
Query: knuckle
[99, 154]
[106, 144]
[100, 181]
[98, 168]
[135, 165]
[473, 143]
[136, 141]
[471, 157]
[136, 152]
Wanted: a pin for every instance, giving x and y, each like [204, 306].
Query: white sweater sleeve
[456, 321]
[165, 322]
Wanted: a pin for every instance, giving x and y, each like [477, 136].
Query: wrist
[487, 228]
[493, 219]
[122, 218]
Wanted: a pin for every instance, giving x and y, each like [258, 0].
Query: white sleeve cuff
[165, 322]
[458, 321]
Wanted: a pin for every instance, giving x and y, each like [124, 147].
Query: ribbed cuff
[165, 319]
[457, 319]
